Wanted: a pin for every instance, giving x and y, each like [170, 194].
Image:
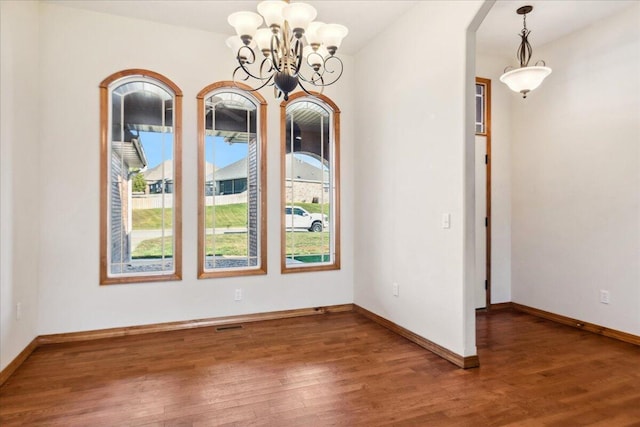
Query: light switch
[446, 220]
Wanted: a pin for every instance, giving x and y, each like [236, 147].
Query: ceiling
[550, 19]
[212, 15]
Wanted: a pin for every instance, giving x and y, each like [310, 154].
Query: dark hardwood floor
[334, 369]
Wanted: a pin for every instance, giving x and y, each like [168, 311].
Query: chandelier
[285, 56]
[526, 78]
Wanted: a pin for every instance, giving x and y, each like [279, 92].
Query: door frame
[487, 134]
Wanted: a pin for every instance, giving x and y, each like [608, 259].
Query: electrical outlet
[396, 289]
[238, 295]
[19, 311]
[604, 296]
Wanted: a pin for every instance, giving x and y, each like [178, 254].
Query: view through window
[231, 209]
[141, 172]
[480, 108]
[310, 220]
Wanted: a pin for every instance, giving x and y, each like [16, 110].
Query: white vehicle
[297, 218]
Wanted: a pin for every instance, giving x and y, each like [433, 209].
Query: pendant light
[525, 78]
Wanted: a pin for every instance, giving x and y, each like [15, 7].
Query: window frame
[105, 94]
[261, 110]
[335, 170]
[486, 105]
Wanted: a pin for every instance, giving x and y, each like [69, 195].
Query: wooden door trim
[487, 135]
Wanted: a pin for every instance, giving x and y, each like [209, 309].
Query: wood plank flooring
[336, 369]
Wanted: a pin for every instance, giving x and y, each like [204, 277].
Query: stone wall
[306, 192]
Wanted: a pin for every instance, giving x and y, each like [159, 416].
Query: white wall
[410, 170]
[490, 67]
[575, 174]
[20, 179]
[576, 178]
[79, 49]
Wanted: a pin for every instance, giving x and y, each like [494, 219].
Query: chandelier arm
[309, 92]
[244, 78]
[315, 77]
[313, 80]
[298, 54]
[243, 65]
[239, 55]
[267, 80]
[285, 58]
[330, 71]
[302, 78]
[269, 72]
[249, 73]
[275, 52]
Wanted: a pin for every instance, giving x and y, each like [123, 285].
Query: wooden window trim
[283, 199]
[104, 175]
[262, 111]
[487, 104]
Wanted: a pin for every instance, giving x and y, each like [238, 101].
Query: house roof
[235, 170]
[233, 115]
[162, 171]
[131, 152]
[303, 170]
[156, 173]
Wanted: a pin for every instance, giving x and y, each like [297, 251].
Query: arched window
[140, 171]
[231, 181]
[310, 175]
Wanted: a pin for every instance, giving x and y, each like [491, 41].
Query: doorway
[482, 288]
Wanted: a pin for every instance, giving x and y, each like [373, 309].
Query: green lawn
[234, 215]
[151, 219]
[226, 216]
[152, 248]
[235, 244]
[307, 243]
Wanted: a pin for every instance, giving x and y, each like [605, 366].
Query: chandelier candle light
[526, 78]
[282, 44]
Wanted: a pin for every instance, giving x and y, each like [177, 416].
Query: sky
[225, 154]
[152, 145]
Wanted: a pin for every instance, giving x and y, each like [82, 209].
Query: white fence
[154, 201]
[227, 199]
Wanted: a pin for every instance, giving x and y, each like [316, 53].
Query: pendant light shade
[299, 16]
[525, 79]
[245, 23]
